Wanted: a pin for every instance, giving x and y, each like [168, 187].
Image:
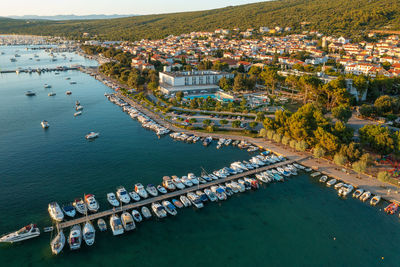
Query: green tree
[360, 166]
[339, 159]
[361, 85]
[271, 78]
[207, 122]
[319, 152]
[367, 111]
[223, 122]
[253, 124]
[384, 176]
[342, 113]
[236, 124]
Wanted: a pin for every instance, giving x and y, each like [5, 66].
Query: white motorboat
[58, 243]
[25, 233]
[169, 207]
[135, 196]
[69, 210]
[112, 199]
[91, 203]
[152, 190]
[89, 234]
[168, 184]
[51, 94]
[158, 210]
[338, 185]
[77, 113]
[218, 192]
[375, 200]
[136, 216]
[75, 237]
[92, 135]
[185, 201]
[211, 196]
[80, 206]
[178, 183]
[193, 178]
[146, 212]
[139, 189]
[323, 179]
[127, 221]
[195, 200]
[331, 182]
[116, 225]
[358, 192]
[55, 212]
[161, 189]
[45, 124]
[79, 108]
[102, 225]
[364, 197]
[186, 181]
[123, 195]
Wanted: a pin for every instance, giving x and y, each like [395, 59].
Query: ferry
[45, 124]
[92, 135]
[27, 232]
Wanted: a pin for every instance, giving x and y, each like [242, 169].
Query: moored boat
[102, 225]
[75, 237]
[391, 208]
[375, 200]
[69, 210]
[127, 221]
[146, 212]
[136, 216]
[25, 233]
[58, 243]
[55, 212]
[89, 233]
[80, 206]
[91, 203]
[116, 225]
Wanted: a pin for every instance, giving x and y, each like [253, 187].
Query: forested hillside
[348, 17]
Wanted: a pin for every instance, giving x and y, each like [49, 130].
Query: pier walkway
[39, 70]
[173, 194]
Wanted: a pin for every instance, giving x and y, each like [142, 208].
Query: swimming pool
[218, 97]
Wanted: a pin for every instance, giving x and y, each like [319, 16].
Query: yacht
[58, 243]
[123, 195]
[136, 216]
[139, 188]
[92, 135]
[69, 210]
[55, 212]
[152, 190]
[45, 124]
[27, 232]
[116, 225]
[375, 200]
[75, 237]
[195, 200]
[127, 221]
[91, 203]
[80, 206]
[89, 233]
[169, 207]
[193, 178]
[112, 199]
[158, 210]
[178, 183]
[146, 212]
[185, 201]
[134, 196]
[161, 189]
[331, 182]
[168, 184]
[102, 225]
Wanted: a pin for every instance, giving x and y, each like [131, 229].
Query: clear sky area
[108, 7]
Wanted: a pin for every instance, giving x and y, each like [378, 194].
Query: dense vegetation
[332, 17]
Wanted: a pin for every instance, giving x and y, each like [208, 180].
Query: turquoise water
[296, 223]
[208, 95]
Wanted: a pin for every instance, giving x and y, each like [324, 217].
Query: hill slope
[348, 17]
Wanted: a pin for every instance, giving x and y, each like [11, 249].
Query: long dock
[173, 194]
[39, 70]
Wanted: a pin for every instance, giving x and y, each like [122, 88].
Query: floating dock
[173, 194]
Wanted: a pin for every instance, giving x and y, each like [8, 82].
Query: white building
[191, 82]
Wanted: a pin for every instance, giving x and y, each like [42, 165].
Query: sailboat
[58, 243]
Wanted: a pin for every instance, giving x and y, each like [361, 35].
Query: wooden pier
[39, 70]
[173, 194]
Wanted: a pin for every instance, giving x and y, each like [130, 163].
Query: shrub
[384, 176]
[302, 146]
[293, 143]
[285, 140]
[270, 134]
[339, 159]
[360, 166]
[319, 152]
[263, 133]
[277, 138]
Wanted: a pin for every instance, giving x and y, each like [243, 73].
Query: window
[207, 79]
[201, 80]
[215, 79]
[186, 80]
[194, 80]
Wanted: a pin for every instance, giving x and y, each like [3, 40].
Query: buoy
[334, 238]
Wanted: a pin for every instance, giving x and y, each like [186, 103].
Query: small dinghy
[331, 182]
[375, 200]
[177, 203]
[358, 193]
[323, 179]
[146, 212]
[136, 216]
[102, 225]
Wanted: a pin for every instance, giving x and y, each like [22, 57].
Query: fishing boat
[185, 201]
[375, 200]
[323, 179]
[112, 199]
[127, 221]
[391, 208]
[55, 212]
[358, 193]
[123, 195]
[161, 189]
[134, 196]
[177, 203]
[139, 189]
[69, 210]
[331, 182]
[45, 124]
[92, 135]
[168, 184]
[116, 225]
[158, 210]
[146, 212]
[152, 190]
[91, 203]
[89, 234]
[102, 225]
[136, 216]
[25, 233]
[169, 207]
[75, 237]
[80, 206]
[365, 196]
[58, 243]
